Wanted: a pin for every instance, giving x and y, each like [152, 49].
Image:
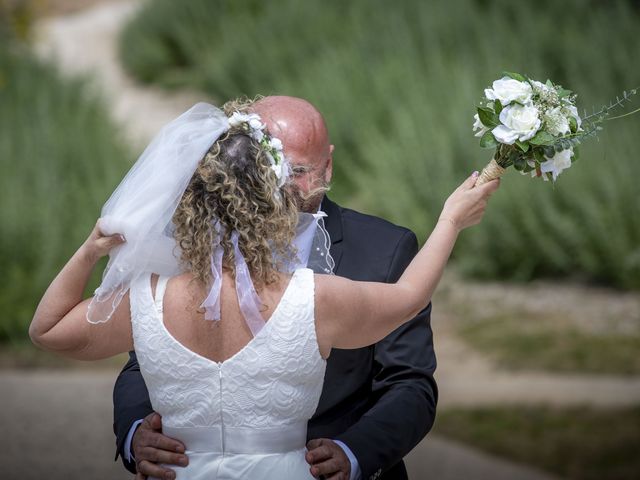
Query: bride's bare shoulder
[185, 282]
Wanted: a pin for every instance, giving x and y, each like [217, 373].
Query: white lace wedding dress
[246, 417]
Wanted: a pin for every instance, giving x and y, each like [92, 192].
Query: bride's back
[215, 340]
[239, 403]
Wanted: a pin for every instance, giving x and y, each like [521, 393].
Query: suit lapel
[333, 224]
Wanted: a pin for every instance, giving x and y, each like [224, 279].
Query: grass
[398, 84]
[576, 443]
[524, 341]
[61, 156]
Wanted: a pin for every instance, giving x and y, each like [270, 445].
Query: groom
[377, 402]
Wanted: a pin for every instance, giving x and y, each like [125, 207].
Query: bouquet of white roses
[534, 126]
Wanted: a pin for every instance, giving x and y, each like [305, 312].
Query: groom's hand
[151, 447]
[328, 460]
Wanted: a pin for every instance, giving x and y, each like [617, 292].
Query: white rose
[518, 123]
[557, 123]
[478, 125]
[508, 90]
[559, 162]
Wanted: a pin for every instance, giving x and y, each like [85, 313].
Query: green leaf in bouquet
[549, 84]
[515, 76]
[562, 92]
[576, 154]
[519, 163]
[542, 138]
[524, 146]
[529, 161]
[488, 140]
[538, 155]
[497, 106]
[573, 124]
[488, 117]
[562, 144]
[549, 152]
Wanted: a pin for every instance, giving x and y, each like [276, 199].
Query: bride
[207, 282]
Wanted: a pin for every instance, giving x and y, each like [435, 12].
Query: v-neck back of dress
[159, 308]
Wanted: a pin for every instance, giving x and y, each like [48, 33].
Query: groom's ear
[328, 173]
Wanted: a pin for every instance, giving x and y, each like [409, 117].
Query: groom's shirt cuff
[356, 474]
[128, 455]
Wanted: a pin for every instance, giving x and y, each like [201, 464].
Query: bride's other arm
[342, 304]
[60, 324]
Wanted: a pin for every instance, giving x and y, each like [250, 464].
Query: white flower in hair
[252, 124]
[255, 122]
[257, 135]
[236, 119]
[276, 144]
[251, 120]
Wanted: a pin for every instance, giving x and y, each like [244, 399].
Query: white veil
[142, 207]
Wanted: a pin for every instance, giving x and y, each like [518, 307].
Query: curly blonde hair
[235, 186]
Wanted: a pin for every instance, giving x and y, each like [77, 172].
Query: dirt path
[57, 425]
[86, 42]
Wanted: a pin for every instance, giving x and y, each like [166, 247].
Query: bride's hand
[97, 245]
[465, 206]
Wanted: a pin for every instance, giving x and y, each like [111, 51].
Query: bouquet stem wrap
[492, 171]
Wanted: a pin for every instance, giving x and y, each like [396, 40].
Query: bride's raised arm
[351, 314]
[60, 321]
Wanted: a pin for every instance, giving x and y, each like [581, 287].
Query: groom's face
[302, 130]
[307, 148]
[311, 174]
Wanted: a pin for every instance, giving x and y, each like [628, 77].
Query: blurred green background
[397, 83]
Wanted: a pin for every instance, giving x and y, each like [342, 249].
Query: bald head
[303, 132]
[294, 121]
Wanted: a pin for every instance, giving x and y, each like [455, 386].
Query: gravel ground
[57, 425]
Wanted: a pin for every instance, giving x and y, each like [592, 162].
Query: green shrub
[60, 158]
[398, 84]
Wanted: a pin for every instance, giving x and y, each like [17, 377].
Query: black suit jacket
[379, 400]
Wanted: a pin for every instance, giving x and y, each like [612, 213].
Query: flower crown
[252, 124]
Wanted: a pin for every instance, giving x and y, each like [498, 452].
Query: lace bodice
[274, 381]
